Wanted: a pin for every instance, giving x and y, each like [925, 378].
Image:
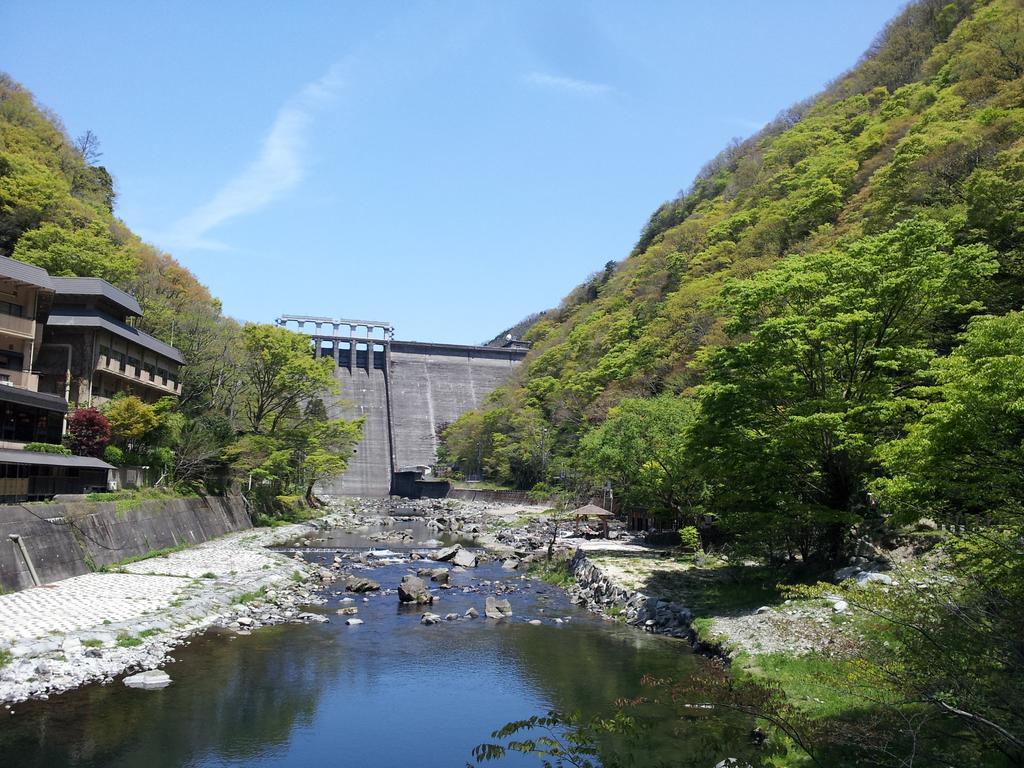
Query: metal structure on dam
[405, 390]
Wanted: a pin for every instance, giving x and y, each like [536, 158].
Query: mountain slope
[929, 123]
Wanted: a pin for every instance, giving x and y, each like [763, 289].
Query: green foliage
[113, 455]
[963, 456]
[128, 640]
[689, 538]
[564, 739]
[825, 346]
[554, 571]
[5, 657]
[644, 448]
[47, 448]
[130, 418]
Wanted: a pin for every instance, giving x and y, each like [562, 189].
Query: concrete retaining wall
[65, 540]
[499, 497]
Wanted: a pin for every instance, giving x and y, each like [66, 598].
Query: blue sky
[448, 166]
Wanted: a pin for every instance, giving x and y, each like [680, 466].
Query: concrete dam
[405, 390]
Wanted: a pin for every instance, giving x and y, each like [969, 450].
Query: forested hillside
[913, 160]
[243, 410]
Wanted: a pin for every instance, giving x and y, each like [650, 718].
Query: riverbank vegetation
[250, 416]
[815, 346]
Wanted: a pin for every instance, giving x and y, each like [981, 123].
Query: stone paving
[83, 602]
[137, 590]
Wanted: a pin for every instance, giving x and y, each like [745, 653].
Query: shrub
[689, 539]
[47, 448]
[113, 455]
[88, 432]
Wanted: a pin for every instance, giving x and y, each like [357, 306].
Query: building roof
[592, 510]
[10, 394]
[75, 317]
[94, 286]
[11, 456]
[25, 273]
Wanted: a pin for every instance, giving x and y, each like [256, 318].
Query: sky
[450, 167]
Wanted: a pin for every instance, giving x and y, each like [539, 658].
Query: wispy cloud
[570, 84]
[278, 168]
[746, 124]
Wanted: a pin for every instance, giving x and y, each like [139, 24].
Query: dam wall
[405, 391]
[363, 393]
[432, 385]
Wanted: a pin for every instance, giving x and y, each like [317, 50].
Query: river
[391, 692]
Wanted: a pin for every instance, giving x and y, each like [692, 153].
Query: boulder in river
[472, 613]
[464, 559]
[414, 590]
[361, 584]
[497, 609]
[150, 680]
[429, 618]
[446, 554]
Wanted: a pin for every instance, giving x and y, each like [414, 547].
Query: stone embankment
[95, 627]
[596, 591]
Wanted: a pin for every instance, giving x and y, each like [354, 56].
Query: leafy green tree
[644, 449]
[131, 420]
[88, 252]
[279, 374]
[964, 455]
[826, 346]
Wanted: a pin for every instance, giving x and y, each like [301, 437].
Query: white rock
[149, 680]
[353, 622]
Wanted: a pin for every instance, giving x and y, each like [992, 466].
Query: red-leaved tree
[88, 432]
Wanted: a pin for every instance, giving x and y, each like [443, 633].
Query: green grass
[209, 575]
[554, 572]
[815, 683]
[152, 553]
[149, 632]
[92, 642]
[247, 597]
[127, 500]
[125, 640]
[5, 658]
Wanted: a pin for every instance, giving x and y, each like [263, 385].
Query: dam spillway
[406, 391]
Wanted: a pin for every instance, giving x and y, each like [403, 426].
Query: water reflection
[391, 692]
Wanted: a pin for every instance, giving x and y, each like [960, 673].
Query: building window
[11, 361]
[135, 363]
[14, 310]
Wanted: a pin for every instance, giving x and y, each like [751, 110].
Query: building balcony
[22, 379]
[20, 327]
[138, 376]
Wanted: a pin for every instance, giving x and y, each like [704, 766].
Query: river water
[391, 692]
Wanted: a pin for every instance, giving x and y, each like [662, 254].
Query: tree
[644, 449]
[88, 432]
[279, 374]
[964, 454]
[826, 347]
[130, 419]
